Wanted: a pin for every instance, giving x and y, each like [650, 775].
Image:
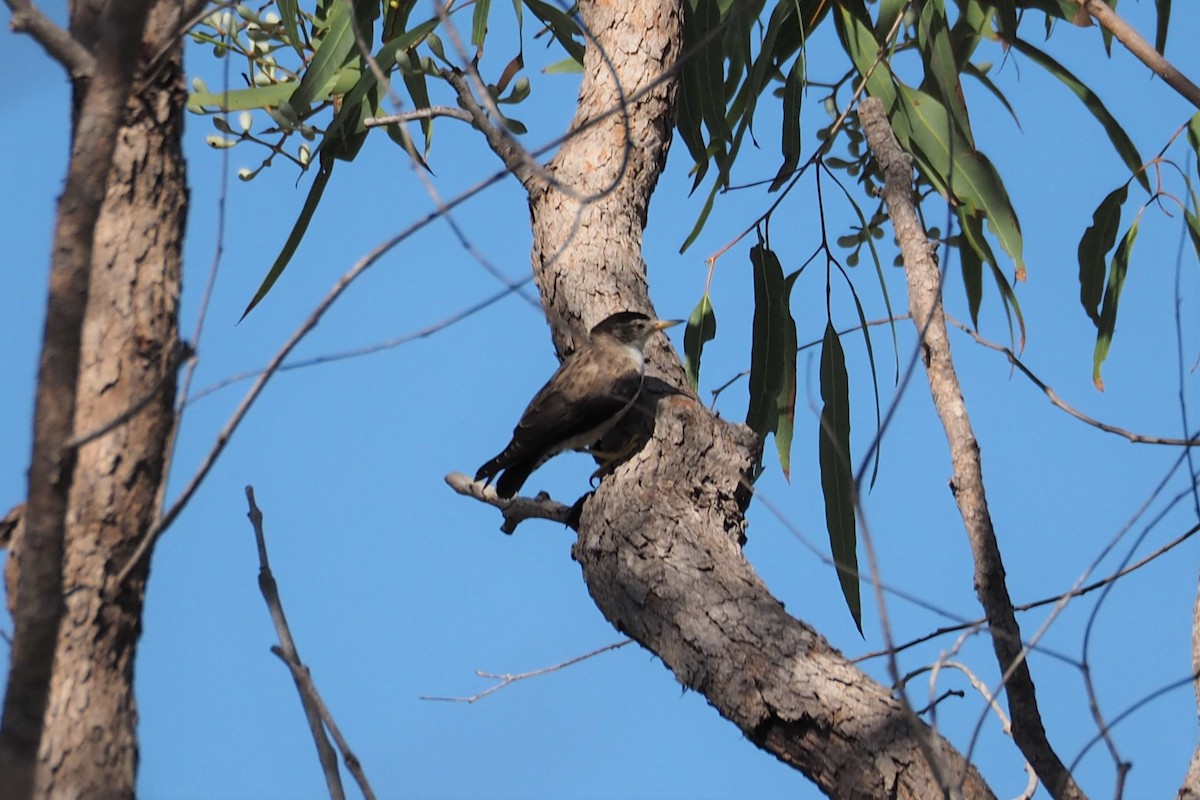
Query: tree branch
[1133, 41]
[517, 509]
[420, 113]
[925, 306]
[58, 43]
[315, 709]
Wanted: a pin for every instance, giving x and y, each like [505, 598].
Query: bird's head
[630, 328]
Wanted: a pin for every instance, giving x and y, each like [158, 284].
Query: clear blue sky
[396, 587]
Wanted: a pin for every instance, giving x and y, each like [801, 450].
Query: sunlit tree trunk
[112, 324]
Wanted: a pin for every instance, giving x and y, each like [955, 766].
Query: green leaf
[837, 477]
[332, 51]
[858, 39]
[289, 15]
[1162, 22]
[561, 25]
[293, 240]
[933, 36]
[785, 402]
[701, 328]
[1193, 229]
[956, 169]
[1112, 297]
[793, 93]
[1094, 247]
[479, 20]
[1193, 135]
[972, 272]
[768, 349]
[568, 66]
[243, 99]
[1121, 142]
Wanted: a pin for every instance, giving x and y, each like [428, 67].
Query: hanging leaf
[293, 241]
[785, 401]
[1112, 296]
[768, 349]
[790, 144]
[701, 328]
[1120, 140]
[837, 477]
[1162, 22]
[1094, 247]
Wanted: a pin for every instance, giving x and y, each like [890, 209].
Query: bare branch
[315, 709]
[518, 509]
[420, 113]
[58, 43]
[1118, 27]
[924, 287]
[1137, 438]
[509, 679]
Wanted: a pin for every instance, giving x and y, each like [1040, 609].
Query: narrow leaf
[767, 353]
[1120, 140]
[837, 480]
[1162, 22]
[701, 328]
[793, 93]
[561, 25]
[479, 20]
[289, 15]
[1112, 297]
[785, 404]
[298, 230]
[1094, 247]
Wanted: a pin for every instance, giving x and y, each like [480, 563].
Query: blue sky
[396, 587]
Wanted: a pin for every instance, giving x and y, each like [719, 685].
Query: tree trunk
[127, 353]
[660, 540]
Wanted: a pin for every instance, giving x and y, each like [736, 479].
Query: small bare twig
[58, 42]
[319, 718]
[508, 679]
[517, 509]
[420, 113]
[1058, 402]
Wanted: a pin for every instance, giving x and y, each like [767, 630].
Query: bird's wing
[568, 408]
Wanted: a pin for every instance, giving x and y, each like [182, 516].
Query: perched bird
[583, 400]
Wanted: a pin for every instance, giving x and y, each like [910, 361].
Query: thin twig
[421, 113]
[328, 358]
[508, 679]
[1058, 402]
[319, 718]
[517, 509]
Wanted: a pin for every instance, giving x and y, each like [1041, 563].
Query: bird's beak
[663, 324]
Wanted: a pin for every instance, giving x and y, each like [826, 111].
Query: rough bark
[659, 541]
[1190, 789]
[123, 342]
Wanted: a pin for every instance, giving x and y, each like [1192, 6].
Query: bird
[585, 398]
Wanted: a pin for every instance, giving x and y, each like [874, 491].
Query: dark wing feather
[571, 405]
